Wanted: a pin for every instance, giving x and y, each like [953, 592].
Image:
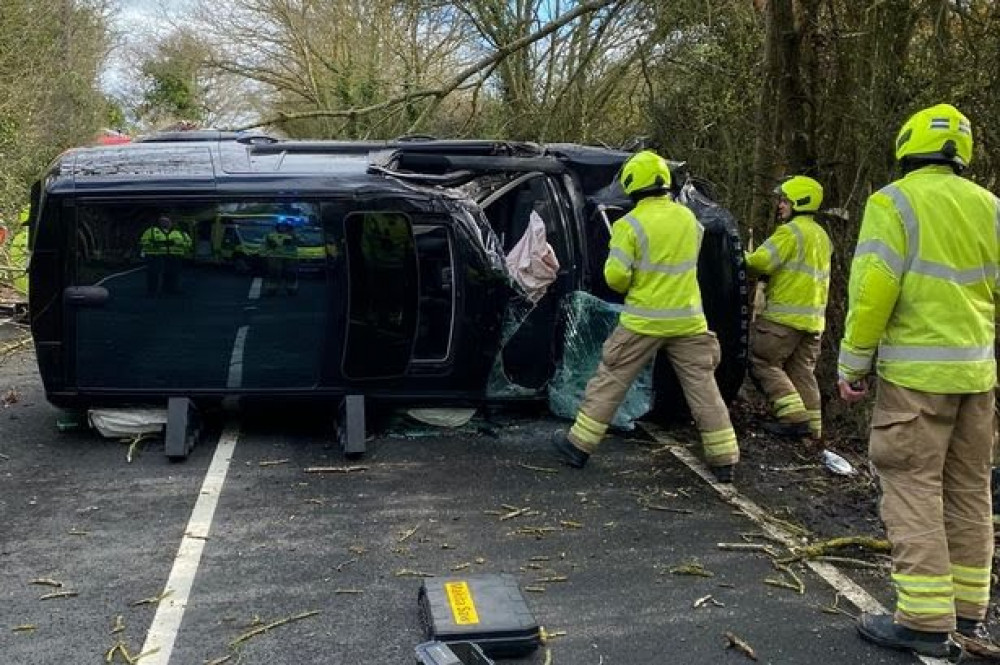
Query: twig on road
[274, 624]
[733, 641]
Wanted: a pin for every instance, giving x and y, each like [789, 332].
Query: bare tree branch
[439, 93]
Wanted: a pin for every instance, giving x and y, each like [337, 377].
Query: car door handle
[85, 296]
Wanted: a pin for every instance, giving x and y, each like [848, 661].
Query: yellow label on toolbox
[460, 599]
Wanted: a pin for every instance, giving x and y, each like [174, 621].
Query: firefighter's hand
[852, 392]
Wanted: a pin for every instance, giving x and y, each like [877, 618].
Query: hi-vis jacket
[923, 285]
[155, 242]
[797, 258]
[280, 245]
[653, 260]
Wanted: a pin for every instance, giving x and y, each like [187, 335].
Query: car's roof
[211, 160]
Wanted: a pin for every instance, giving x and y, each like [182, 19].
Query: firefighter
[786, 336]
[653, 261]
[20, 253]
[281, 251]
[922, 295]
[164, 247]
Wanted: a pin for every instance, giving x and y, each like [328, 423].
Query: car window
[181, 313]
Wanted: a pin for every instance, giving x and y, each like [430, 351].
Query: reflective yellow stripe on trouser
[924, 595]
[972, 590]
[789, 405]
[720, 447]
[815, 422]
[586, 432]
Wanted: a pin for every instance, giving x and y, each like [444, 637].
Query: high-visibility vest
[923, 285]
[280, 245]
[797, 258]
[19, 255]
[653, 260]
[155, 242]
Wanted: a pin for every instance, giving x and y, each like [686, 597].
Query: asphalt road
[282, 542]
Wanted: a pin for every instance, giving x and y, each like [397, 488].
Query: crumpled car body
[410, 297]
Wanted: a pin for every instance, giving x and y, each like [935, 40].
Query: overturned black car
[402, 270]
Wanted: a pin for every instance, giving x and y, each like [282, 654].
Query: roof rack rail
[189, 135]
[256, 139]
[316, 147]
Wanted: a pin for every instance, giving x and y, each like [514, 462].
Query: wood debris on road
[540, 469]
[335, 469]
[407, 534]
[45, 581]
[269, 626]
[406, 572]
[120, 648]
[733, 641]
[155, 600]
[826, 547]
[749, 547]
[705, 600]
[515, 512]
[59, 594]
[693, 568]
[10, 397]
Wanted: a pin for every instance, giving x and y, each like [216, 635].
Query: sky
[135, 20]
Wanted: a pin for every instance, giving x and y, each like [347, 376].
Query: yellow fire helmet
[645, 173]
[804, 193]
[937, 134]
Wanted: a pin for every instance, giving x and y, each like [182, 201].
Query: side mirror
[85, 296]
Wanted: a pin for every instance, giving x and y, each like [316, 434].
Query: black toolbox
[453, 653]
[488, 610]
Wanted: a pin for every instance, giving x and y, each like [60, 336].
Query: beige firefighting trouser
[694, 359]
[932, 453]
[783, 360]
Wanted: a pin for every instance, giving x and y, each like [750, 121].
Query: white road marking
[255, 287]
[170, 612]
[236, 359]
[119, 274]
[847, 587]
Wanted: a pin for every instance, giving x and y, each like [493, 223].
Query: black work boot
[724, 473]
[973, 629]
[789, 430]
[880, 629]
[568, 453]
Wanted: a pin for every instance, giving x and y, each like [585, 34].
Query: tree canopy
[745, 91]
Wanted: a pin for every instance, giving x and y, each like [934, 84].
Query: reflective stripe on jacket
[923, 285]
[154, 242]
[653, 260]
[797, 257]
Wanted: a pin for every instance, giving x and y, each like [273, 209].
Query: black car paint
[417, 178]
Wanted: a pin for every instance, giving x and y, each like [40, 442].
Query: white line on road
[255, 287]
[236, 359]
[847, 587]
[170, 611]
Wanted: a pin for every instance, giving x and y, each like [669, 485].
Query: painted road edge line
[170, 611]
[255, 286]
[840, 582]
